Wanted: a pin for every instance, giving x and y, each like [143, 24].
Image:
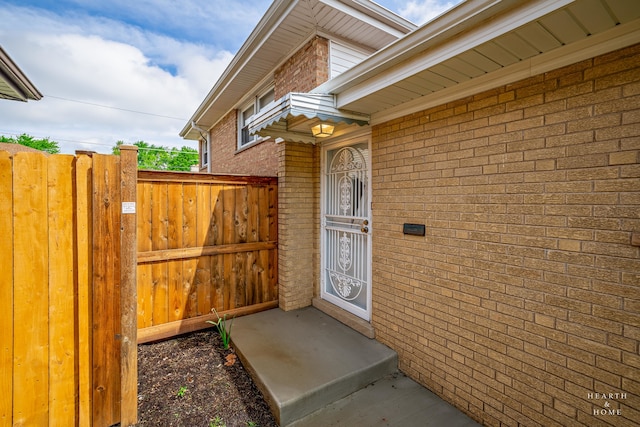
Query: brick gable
[305, 70]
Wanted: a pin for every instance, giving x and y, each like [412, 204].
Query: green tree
[161, 158]
[44, 144]
[183, 159]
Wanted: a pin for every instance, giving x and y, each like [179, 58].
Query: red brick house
[475, 205]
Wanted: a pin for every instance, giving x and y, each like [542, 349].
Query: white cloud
[114, 65]
[422, 11]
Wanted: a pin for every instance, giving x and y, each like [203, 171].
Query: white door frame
[334, 145]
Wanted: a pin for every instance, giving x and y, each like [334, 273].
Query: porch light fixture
[322, 130]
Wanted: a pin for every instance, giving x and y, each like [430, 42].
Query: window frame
[204, 153]
[257, 104]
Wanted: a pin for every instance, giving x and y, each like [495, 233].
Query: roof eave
[14, 77]
[277, 12]
[264, 26]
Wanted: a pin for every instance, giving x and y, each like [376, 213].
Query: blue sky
[129, 70]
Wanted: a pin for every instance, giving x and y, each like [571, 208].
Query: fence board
[204, 238]
[62, 292]
[128, 303]
[189, 239]
[106, 288]
[145, 281]
[84, 189]
[175, 239]
[6, 290]
[31, 294]
[159, 240]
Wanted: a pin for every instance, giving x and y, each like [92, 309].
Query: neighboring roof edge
[278, 10]
[13, 148]
[16, 79]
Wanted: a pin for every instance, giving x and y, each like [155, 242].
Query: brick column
[298, 202]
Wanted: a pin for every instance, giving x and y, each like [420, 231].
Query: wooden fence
[204, 242]
[68, 351]
[80, 237]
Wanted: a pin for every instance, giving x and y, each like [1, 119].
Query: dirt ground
[191, 381]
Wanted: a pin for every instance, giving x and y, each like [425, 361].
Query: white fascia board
[382, 11]
[445, 49]
[618, 37]
[342, 7]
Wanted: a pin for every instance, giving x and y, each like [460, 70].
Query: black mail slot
[413, 229]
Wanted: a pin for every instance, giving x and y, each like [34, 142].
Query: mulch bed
[192, 381]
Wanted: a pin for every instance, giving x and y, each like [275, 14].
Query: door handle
[365, 229]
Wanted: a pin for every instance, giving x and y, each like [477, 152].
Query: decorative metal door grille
[346, 229]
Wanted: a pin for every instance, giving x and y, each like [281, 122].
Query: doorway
[346, 227]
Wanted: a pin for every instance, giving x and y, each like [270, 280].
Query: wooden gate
[68, 350]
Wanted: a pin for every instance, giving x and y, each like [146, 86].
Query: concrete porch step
[392, 401]
[304, 360]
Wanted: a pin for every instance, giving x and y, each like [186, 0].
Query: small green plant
[221, 324]
[252, 424]
[181, 391]
[217, 422]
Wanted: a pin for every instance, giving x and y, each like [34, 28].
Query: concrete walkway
[315, 371]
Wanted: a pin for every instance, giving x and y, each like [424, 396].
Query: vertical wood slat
[31, 294]
[83, 197]
[189, 240]
[6, 290]
[228, 236]
[217, 262]
[174, 268]
[106, 291]
[203, 238]
[159, 232]
[128, 285]
[145, 280]
[62, 291]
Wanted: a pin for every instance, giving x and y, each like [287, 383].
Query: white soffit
[477, 44]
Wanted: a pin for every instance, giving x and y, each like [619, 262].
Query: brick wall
[523, 299]
[305, 70]
[260, 159]
[298, 223]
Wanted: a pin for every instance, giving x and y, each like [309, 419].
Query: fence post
[128, 286]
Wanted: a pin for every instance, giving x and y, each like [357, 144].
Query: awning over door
[292, 116]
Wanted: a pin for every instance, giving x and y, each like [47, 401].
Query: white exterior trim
[616, 38]
[428, 51]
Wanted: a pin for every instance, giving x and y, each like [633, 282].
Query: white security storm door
[346, 229]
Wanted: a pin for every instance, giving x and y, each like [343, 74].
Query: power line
[114, 108]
